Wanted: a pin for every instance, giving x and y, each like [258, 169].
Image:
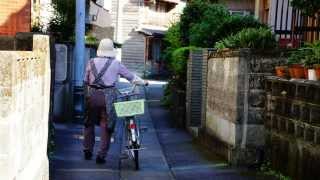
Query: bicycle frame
[132, 130]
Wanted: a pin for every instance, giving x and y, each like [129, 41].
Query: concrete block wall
[293, 124]
[24, 111]
[15, 16]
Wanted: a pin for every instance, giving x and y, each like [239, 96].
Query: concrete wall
[235, 103]
[293, 127]
[24, 111]
[15, 16]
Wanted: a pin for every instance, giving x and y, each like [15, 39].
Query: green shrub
[236, 23]
[204, 32]
[307, 55]
[255, 38]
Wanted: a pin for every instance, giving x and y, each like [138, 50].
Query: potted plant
[282, 71]
[313, 60]
[317, 70]
[308, 62]
[296, 70]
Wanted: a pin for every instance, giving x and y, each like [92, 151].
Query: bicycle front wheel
[136, 155]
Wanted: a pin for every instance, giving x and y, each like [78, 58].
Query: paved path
[187, 160]
[170, 153]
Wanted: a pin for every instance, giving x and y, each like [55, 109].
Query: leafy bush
[307, 55]
[256, 38]
[236, 23]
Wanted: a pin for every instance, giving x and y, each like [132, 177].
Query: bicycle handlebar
[130, 92]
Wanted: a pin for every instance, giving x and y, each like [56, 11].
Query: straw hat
[106, 48]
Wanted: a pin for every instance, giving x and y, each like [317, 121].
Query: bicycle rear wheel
[136, 156]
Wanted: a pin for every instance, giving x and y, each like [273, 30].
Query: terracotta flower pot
[296, 71]
[306, 71]
[317, 69]
[282, 71]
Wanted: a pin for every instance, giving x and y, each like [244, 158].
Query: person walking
[102, 72]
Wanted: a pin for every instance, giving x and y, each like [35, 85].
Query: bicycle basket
[129, 108]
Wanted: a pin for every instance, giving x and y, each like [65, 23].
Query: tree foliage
[307, 7]
[63, 22]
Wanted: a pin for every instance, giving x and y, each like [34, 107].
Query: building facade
[15, 17]
[140, 26]
[289, 24]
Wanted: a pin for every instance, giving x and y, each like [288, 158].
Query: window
[240, 12]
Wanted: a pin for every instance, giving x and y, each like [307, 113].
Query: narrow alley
[169, 153]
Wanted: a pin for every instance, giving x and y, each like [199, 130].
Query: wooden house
[140, 26]
[289, 24]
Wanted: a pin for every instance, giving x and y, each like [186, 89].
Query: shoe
[100, 160]
[87, 155]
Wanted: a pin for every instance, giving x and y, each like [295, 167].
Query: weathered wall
[293, 127]
[15, 16]
[235, 103]
[24, 111]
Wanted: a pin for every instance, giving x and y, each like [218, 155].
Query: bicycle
[128, 109]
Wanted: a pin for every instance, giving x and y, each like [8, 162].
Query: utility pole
[80, 41]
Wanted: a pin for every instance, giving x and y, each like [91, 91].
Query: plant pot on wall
[296, 71]
[282, 71]
[317, 70]
[312, 75]
[306, 72]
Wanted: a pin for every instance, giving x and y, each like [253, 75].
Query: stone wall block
[275, 122]
[290, 127]
[287, 108]
[301, 92]
[317, 96]
[268, 121]
[296, 111]
[309, 134]
[315, 115]
[291, 90]
[283, 125]
[256, 115]
[278, 107]
[299, 130]
[311, 93]
[257, 98]
[268, 86]
[256, 81]
[305, 113]
[317, 135]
